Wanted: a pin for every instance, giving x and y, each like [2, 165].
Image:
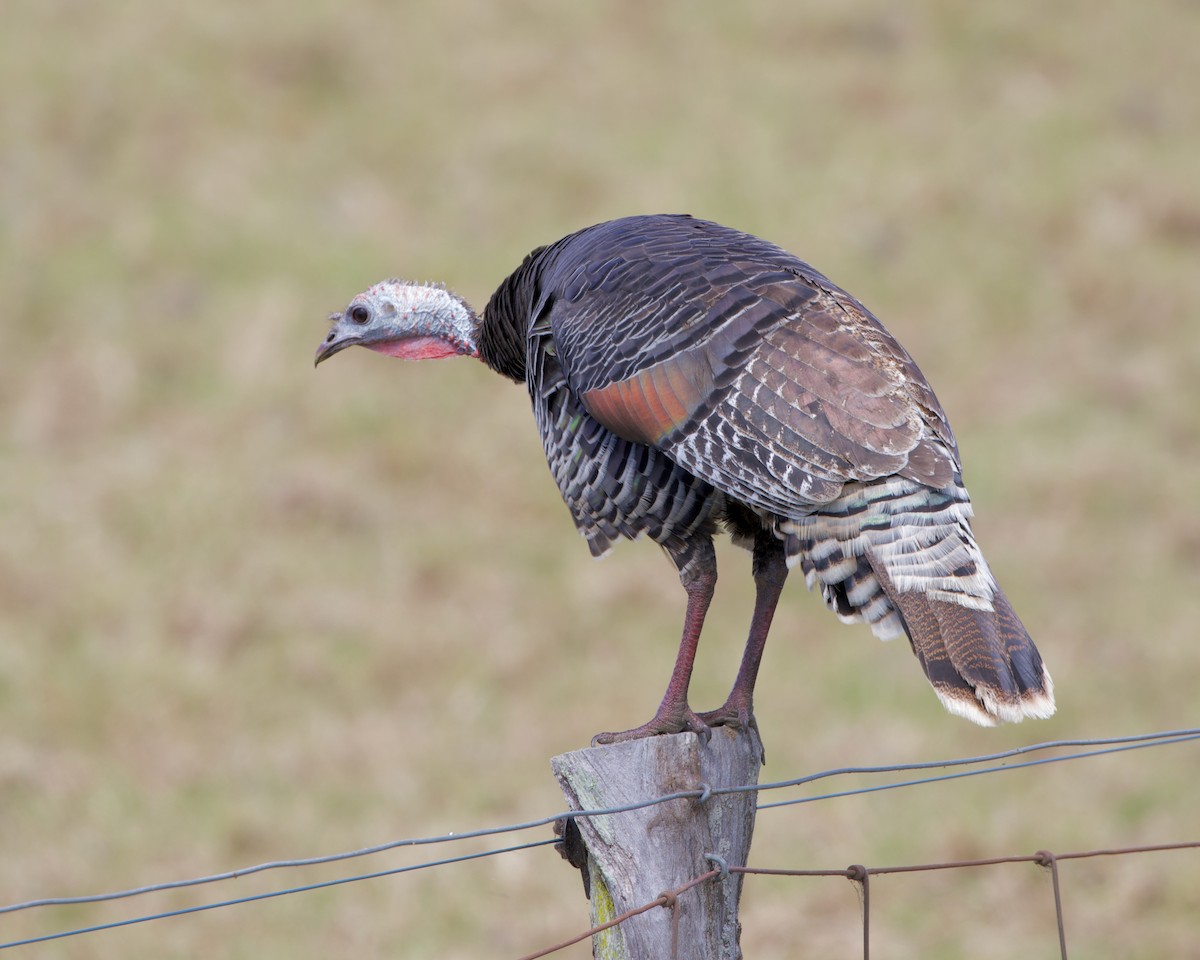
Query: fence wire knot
[669, 899]
[720, 863]
[705, 793]
[857, 872]
[1044, 858]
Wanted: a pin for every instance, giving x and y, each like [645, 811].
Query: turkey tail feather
[982, 663]
[901, 556]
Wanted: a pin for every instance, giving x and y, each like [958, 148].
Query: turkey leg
[770, 573]
[697, 563]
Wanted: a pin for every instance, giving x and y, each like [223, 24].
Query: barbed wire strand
[1106, 745]
[200, 908]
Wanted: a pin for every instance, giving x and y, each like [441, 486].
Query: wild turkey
[686, 376]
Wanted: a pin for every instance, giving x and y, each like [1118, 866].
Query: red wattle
[415, 348]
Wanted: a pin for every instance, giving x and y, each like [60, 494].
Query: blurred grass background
[249, 612]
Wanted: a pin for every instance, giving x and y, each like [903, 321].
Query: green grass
[250, 611]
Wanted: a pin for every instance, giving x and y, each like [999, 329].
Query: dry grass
[247, 611]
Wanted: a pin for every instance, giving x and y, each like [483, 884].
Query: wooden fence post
[634, 857]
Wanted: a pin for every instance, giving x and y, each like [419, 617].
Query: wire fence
[986, 764]
[861, 875]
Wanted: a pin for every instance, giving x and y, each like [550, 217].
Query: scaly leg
[770, 573]
[697, 563]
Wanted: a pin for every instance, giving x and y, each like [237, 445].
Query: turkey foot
[669, 719]
[733, 713]
[737, 713]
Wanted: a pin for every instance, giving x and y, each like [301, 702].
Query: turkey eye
[359, 313]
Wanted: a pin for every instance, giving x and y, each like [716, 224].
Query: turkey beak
[342, 335]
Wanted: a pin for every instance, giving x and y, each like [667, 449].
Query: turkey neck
[504, 326]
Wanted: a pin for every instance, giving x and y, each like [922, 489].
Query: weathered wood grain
[635, 856]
